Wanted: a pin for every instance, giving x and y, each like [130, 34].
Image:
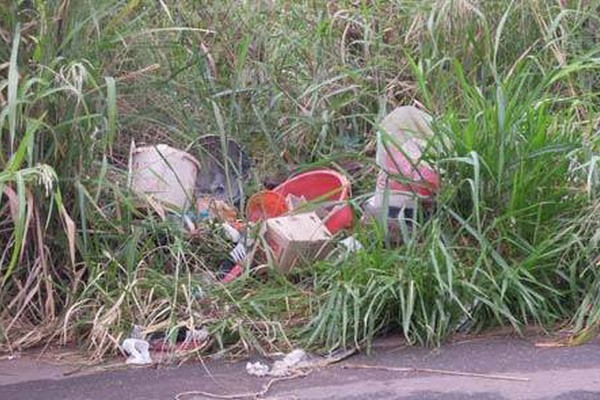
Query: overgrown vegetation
[515, 91]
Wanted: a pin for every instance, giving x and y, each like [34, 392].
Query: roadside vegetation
[514, 88]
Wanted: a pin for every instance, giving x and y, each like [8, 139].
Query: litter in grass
[404, 176]
[164, 174]
[297, 219]
[351, 244]
[138, 351]
[186, 340]
[405, 181]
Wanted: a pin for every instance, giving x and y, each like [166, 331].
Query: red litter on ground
[264, 205]
[317, 186]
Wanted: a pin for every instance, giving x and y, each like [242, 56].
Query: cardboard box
[297, 240]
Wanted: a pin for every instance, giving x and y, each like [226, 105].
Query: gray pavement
[553, 373]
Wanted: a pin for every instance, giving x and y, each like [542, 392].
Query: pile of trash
[294, 223]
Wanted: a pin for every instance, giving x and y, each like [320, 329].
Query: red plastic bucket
[322, 185]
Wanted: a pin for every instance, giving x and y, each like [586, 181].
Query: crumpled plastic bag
[138, 351]
[257, 369]
[281, 367]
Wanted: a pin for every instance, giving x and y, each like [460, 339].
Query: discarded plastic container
[322, 185]
[264, 205]
[164, 173]
[400, 144]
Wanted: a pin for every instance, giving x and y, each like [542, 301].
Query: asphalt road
[552, 373]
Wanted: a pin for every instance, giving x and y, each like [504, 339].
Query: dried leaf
[70, 231]
[13, 202]
[49, 306]
[27, 222]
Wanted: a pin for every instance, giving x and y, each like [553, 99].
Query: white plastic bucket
[166, 174]
[404, 134]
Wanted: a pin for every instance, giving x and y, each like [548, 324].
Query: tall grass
[506, 232]
[513, 86]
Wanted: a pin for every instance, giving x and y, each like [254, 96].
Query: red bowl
[322, 185]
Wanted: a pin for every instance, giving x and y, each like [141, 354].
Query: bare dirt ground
[539, 373]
